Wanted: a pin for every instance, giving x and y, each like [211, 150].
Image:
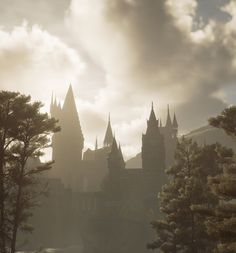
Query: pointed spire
[175, 123]
[108, 140]
[114, 147]
[69, 103]
[152, 116]
[168, 120]
[121, 155]
[70, 116]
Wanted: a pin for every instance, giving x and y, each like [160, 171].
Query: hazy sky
[119, 56]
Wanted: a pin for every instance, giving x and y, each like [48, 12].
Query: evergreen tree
[222, 224]
[24, 133]
[226, 121]
[183, 228]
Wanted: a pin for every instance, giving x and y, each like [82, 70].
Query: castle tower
[115, 159]
[153, 150]
[175, 126]
[170, 133]
[168, 119]
[108, 140]
[69, 142]
[71, 128]
[116, 165]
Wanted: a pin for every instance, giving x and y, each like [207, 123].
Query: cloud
[49, 14]
[136, 51]
[35, 62]
[149, 47]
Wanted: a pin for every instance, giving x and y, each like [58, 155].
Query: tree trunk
[2, 205]
[18, 207]
[16, 218]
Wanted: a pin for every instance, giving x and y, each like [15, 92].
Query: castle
[95, 201]
[86, 172]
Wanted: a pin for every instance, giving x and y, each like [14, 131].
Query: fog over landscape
[119, 55]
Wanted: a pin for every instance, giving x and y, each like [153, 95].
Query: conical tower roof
[152, 123]
[175, 123]
[168, 119]
[121, 155]
[152, 116]
[114, 147]
[108, 140]
[70, 115]
[69, 104]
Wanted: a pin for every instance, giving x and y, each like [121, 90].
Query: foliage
[24, 133]
[226, 121]
[183, 228]
[222, 223]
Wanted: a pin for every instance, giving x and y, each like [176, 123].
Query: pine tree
[222, 224]
[24, 133]
[183, 228]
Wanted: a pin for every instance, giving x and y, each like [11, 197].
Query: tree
[24, 133]
[183, 227]
[222, 223]
[10, 103]
[226, 121]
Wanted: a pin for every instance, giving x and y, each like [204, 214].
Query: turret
[71, 128]
[55, 108]
[116, 165]
[121, 157]
[168, 119]
[108, 139]
[175, 125]
[115, 159]
[153, 150]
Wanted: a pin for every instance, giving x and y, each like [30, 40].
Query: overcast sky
[119, 56]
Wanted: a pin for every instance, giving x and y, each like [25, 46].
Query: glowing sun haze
[119, 56]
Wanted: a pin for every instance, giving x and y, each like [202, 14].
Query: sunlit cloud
[119, 56]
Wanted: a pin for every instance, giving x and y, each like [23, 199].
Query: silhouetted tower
[153, 150]
[109, 135]
[170, 133]
[69, 143]
[71, 128]
[168, 120]
[175, 126]
[55, 108]
[116, 165]
[115, 159]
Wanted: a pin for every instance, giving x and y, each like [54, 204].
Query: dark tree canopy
[24, 134]
[183, 228]
[226, 121]
[222, 223]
